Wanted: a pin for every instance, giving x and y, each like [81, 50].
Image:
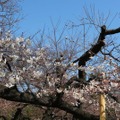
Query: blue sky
[38, 13]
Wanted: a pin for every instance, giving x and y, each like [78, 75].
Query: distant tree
[9, 16]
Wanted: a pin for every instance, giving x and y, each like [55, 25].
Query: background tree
[9, 16]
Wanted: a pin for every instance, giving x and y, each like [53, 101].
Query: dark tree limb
[57, 102]
[94, 50]
[112, 31]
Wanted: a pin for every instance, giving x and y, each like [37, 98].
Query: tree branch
[94, 49]
[4, 2]
[112, 31]
[13, 94]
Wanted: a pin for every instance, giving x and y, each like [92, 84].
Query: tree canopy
[62, 75]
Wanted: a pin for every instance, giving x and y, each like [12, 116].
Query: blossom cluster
[21, 63]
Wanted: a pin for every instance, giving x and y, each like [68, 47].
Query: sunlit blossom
[12, 80]
[28, 42]
[73, 64]
[20, 39]
[14, 57]
[37, 74]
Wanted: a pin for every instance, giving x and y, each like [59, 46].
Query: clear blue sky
[39, 12]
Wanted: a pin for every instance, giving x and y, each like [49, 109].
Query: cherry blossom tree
[60, 75]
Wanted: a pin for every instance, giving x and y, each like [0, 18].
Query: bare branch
[4, 2]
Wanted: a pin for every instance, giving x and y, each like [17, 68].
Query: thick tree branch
[13, 94]
[112, 31]
[94, 49]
